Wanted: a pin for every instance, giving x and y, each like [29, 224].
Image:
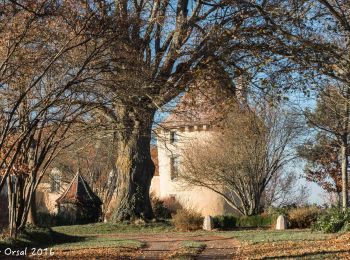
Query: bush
[332, 221]
[277, 211]
[165, 208]
[159, 209]
[172, 204]
[225, 222]
[46, 219]
[303, 217]
[187, 220]
[255, 221]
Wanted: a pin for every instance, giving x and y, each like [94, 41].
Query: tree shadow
[39, 238]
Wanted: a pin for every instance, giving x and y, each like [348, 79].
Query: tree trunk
[12, 207]
[344, 173]
[31, 219]
[134, 165]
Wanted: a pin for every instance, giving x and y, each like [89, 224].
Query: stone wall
[199, 199]
[46, 200]
[155, 186]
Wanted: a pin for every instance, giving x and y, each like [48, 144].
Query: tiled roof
[79, 191]
[199, 106]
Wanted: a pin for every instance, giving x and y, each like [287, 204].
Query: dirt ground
[165, 246]
[159, 246]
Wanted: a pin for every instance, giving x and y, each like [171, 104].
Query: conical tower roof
[200, 106]
[79, 191]
[206, 100]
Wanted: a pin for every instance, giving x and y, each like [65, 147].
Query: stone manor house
[193, 120]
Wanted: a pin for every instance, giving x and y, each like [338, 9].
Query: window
[55, 183]
[173, 137]
[174, 167]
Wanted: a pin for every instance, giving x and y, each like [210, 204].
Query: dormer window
[173, 137]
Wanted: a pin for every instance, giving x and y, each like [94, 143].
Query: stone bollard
[208, 223]
[281, 223]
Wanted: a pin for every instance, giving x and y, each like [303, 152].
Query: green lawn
[260, 236]
[115, 236]
[192, 244]
[110, 228]
[71, 237]
[188, 250]
[98, 242]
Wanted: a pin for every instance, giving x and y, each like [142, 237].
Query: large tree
[331, 117]
[46, 48]
[323, 163]
[155, 49]
[312, 51]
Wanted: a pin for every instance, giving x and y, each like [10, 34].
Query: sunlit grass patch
[98, 242]
[260, 236]
[110, 228]
[188, 250]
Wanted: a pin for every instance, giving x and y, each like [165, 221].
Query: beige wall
[46, 200]
[200, 199]
[155, 186]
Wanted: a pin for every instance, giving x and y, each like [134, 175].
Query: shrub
[225, 222]
[172, 204]
[164, 208]
[333, 221]
[187, 220]
[255, 221]
[303, 217]
[159, 209]
[46, 219]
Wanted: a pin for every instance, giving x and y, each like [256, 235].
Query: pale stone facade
[46, 197]
[199, 199]
[49, 191]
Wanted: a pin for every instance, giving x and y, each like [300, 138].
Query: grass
[110, 228]
[261, 236]
[38, 237]
[105, 235]
[188, 250]
[99, 242]
[72, 237]
[192, 244]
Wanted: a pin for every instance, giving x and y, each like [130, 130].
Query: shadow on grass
[39, 238]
